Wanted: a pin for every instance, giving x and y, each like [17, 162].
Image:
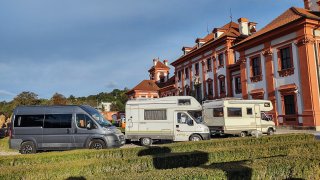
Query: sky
[84, 47]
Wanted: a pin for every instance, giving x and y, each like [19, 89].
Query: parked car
[61, 127]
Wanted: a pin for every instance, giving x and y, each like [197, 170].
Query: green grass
[4, 145]
[269, 157]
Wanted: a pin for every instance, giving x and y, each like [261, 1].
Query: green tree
[26, 98]
[58, 99]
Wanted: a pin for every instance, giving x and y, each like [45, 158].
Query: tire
[195, 137]
[97, 144]
[243, 134]
[28, 147]
[270, 132]
[146, 141]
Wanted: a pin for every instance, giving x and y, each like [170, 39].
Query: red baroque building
[159, 85]
[210, 69]
[280, 62]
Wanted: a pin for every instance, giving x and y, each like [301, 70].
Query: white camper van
[238, 117]
[174, 118]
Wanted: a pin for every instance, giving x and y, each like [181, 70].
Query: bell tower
[159, 72]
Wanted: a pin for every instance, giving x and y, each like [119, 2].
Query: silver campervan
[60, 128]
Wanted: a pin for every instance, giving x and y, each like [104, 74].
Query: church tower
[159, 72]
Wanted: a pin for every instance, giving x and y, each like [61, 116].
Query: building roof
[147, 85]
[230, 29]
[291, 15]
[171, 81]
[159, 65]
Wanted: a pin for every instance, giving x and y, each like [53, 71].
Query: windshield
[196, 115]
[96, 116]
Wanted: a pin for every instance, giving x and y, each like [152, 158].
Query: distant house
[105, 105]
[159, 84]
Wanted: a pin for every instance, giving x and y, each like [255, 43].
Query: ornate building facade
[280, 62]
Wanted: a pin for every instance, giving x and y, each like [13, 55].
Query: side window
[183, 118]
[28, 121]
[249, 111]
[58, 121]
[217, 112]
[160, 114]
[84, 121]
[234, 112]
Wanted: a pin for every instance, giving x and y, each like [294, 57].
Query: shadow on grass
[163, 158]
[233, 170]
[76, 178]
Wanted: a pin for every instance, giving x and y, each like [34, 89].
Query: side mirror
[89, 126]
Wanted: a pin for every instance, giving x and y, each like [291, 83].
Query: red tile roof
[287, 17]
[159, 65]
[170, 82]
[147, 85]
[230, 29]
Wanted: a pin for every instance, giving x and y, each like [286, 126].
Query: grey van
[61, 127]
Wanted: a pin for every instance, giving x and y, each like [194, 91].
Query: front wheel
[270, 131]
[195, 137]
[28, 147]
[146, 141]
[97, 144]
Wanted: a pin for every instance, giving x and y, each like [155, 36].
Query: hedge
[199, 160]
[271, 168]
[149, 163]
[133, 152]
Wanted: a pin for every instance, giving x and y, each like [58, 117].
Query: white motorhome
[172, 118]
[238, 117]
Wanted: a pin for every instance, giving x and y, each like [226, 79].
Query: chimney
[165, 62]
[243, 26]
[155, 61]
[313, 5]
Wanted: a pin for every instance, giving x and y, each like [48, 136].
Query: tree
[26, 98]
[58, 99]
[2, 121]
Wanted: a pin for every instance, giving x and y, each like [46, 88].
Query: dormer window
[186, 50]
[200, 42]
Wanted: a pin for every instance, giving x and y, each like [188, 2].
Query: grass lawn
[290, 156]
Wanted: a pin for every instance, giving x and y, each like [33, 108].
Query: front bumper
[116, 141]
[205, 136]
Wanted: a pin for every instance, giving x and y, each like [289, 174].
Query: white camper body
[170, 118]
[237, 116]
